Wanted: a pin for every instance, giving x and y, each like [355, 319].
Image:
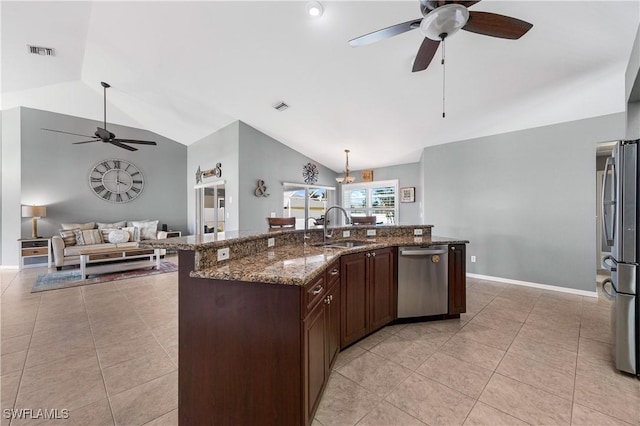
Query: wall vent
[43, 51]
[281, 106]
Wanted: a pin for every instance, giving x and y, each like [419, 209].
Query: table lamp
[35, 213]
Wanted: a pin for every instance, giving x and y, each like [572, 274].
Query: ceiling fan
[442, 18]
[103, 135]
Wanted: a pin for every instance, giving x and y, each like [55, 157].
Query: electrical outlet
[273, 214]
[473, 259]
[417, 232]
[346, 234]
[223, 254]
[271, 242]
[417, 239]
[371, 232]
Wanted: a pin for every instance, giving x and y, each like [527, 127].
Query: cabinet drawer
[333, 273]
[313, 294]
[38, 251]
[34, 244]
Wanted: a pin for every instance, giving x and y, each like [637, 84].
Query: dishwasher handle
[421, 252]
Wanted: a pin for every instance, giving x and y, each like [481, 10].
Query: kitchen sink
[344, 244]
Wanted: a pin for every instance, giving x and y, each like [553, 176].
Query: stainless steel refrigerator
[620, 216]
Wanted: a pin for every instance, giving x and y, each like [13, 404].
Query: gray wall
[525, 200]
[407, 175]
[262, 157]
[219, 147]
[54, 172]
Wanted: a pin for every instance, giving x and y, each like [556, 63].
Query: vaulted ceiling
[187, 69]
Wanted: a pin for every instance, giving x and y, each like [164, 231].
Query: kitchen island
[262, 316]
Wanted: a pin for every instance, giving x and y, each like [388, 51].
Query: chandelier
[346, 178]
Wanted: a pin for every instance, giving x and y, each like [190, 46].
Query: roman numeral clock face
[116, 181]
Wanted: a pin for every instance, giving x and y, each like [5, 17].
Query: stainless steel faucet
[326, 235]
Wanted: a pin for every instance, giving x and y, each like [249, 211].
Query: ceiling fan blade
[425, 54]
[494, 25]
[386, 33]
[121, 145]
[136, 141]
[68, 133]
[77, 143]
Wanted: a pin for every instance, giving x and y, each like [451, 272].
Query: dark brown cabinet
[457, 279]
[321, 340]
[369, 293]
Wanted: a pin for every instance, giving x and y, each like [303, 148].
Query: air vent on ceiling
[43, 51]
[281, 106]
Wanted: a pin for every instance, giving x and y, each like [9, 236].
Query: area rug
[64, 279]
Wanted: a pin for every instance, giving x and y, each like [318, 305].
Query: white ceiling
[185, 70]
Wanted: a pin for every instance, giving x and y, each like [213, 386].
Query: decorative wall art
[202, 174]
[261, 189]
[408, 194]
[367, 175]
[310, 173]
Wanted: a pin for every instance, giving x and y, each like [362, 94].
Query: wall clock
[310, 173]
[116, 181]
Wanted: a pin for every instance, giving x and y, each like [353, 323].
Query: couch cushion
[88, 236]
[68, 236]
[115, 225]
[130, 244]
[75, 250]
[89, 225]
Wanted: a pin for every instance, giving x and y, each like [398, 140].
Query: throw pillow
[105, 233]
[68, 236]
[115, 225]
[133, 231]
[118, 236]
[148, 229]
[130, 223]
[89, 225]
[88, 236]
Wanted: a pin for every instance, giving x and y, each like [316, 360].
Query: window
[379, 199]
[318, 199]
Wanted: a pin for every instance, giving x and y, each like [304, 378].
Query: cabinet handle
[453, 248]
[330, 297]
[368, 254]
[317, 290]
[373, 254]
[327, 300]
[334, 271]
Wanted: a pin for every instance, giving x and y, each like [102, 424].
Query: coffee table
[114, 254]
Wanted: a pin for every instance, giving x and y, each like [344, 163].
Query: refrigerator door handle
[609, 165]
[609, 266]
[608, 295]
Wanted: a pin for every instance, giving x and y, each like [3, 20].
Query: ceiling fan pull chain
[443, 75]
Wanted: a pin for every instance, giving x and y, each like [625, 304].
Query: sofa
[77, 237]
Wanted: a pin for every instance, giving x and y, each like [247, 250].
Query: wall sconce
[35, 213]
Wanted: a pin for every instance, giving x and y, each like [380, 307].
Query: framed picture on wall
[408, 194]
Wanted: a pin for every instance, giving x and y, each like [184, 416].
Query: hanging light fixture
[346, 178]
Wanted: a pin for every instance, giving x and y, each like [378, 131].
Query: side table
[33, 248]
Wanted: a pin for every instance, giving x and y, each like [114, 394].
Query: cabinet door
[382, 288]
[315, 373]
[332, 315]
[354, 300]
[457, 279]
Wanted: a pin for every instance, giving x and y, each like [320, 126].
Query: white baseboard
[9, 267]
[535, 285]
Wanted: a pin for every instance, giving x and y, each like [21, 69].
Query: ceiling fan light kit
[444, 21]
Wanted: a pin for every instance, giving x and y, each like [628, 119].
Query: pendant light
[346, 178]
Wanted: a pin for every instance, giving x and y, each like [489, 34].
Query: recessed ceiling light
[315, 9]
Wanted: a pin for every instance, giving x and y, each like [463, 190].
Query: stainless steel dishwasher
[422, 281]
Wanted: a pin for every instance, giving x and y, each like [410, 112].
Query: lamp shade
[34, 211]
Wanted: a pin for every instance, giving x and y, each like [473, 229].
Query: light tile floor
[108, 353]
